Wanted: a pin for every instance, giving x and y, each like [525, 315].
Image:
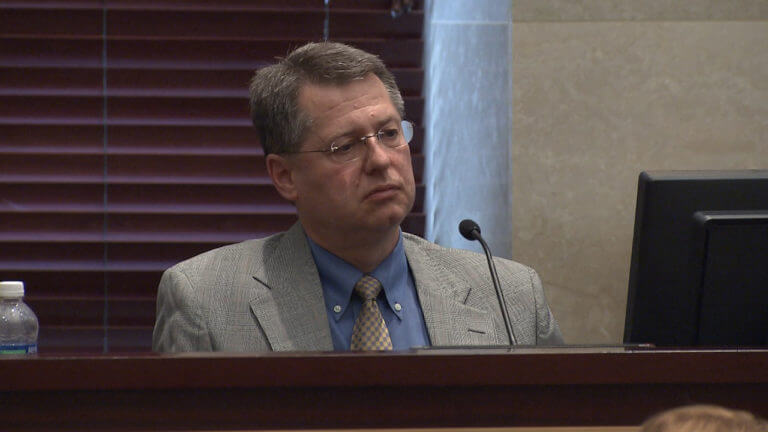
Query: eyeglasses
[350, 149]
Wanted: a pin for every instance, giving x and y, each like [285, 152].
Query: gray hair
[704, 418]
[274, 89]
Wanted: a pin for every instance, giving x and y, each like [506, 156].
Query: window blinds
[126, 144]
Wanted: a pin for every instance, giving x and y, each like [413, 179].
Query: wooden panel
[347, 23]
[59, 22]
[31, 52]
[215, 24]
[432, 388]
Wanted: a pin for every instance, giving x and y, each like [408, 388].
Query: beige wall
[603, 89]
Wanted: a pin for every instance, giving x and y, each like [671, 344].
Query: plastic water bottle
[18, 324]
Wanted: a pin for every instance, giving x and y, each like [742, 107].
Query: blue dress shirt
[398, 302]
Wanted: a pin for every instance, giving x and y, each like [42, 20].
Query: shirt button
[398, 307]
[337, 308]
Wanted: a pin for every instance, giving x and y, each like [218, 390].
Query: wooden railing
[432, 388]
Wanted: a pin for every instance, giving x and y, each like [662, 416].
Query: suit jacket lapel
[443, 295]
[288, 300]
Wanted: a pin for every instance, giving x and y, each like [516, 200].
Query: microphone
[471, 231]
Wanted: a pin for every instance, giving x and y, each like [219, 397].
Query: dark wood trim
[436, 388]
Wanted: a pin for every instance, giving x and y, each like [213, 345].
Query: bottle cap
[11, 289]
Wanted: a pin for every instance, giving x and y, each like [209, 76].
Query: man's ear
[281, 172]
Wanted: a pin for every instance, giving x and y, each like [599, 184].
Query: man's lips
[382, 191]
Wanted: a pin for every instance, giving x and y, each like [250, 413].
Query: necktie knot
[368, 287]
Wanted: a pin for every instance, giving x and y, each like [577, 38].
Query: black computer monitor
[699, 269]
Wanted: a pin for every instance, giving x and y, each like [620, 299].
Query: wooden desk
[436, 388]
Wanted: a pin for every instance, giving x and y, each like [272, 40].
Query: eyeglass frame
[361, 140]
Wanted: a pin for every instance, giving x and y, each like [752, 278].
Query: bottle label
[18, 348]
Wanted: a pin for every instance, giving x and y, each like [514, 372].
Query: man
[704, 418]
[330, 120]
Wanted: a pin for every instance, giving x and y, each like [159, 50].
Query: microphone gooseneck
[471, 231]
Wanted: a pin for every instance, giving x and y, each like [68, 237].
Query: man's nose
[376, 154]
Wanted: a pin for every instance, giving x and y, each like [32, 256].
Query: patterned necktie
[370, 332]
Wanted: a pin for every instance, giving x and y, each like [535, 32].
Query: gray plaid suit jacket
[265, 295]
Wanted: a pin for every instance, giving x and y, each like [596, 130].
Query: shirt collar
[339, 277]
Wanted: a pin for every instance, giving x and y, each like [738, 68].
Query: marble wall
[603, 89]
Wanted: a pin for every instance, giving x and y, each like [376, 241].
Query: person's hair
[274, 89]
[703, 418]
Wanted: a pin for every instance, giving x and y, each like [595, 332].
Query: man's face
[369, 195]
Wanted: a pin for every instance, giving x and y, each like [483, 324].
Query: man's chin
[385, 221]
